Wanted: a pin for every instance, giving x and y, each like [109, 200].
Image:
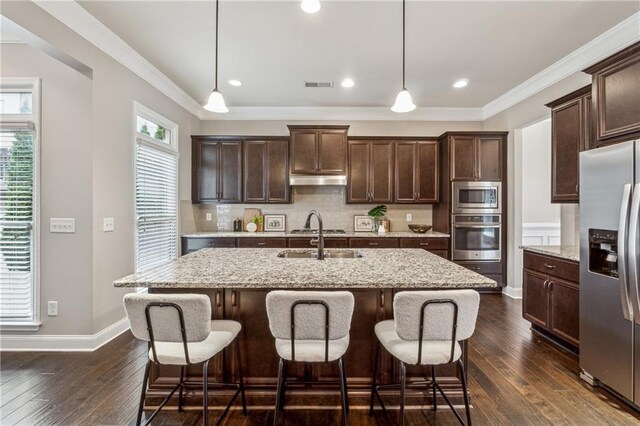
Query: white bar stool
[180, 332]
[310, 326]
[426, 331]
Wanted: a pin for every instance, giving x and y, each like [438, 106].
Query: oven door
[474, 241]
[476, 197]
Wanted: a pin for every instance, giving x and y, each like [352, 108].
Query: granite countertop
[262, 269]
[562, 252]
[408, 234]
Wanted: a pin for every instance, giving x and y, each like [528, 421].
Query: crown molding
[612, 40]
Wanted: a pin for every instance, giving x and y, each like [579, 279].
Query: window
[156, 190]
[18, 204]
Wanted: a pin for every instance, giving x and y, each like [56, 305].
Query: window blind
[16, 224]
[156, 205]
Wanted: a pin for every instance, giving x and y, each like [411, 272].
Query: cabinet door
[564, 314]
[381, 172]
[304, 151]
[427, 172]
[262, 242]
[230, 172]
[566, 140]
[204, 179]
[405, 179]
[535, 300]
[358, 177]
[277, 171]
[255, 171]
[463, 158]
[332, 152]
[588, 124]
[489, 162]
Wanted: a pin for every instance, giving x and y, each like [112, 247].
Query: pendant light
[404, 103]
[216, 100]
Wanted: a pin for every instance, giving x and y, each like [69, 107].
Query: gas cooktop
[315, 231]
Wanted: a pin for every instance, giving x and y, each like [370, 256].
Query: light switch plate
[62, 225]
[409, 217]
[52, 308]
[108, 224]
[208, 217]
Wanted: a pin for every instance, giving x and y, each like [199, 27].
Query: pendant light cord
[216, 79]
[403, 43]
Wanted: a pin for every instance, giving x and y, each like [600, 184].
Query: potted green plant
[377, 214]
[257, 219]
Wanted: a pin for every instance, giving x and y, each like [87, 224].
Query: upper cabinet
[416, 172]
[318, 150]
[266, 177]
[616, 96]
[476, 157]
[216, 170]
[370, 177]
[571, 132]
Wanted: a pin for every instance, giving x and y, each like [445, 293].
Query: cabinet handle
[424, 244]
[475, 268]
[550, 286]
[546, 265]
[373, 244]
[577, 188]
[218, 301]
[546, 285]
[233, 298]
[418, 197]
[415, 195]
[212, 244]
[382, 298]
[262, 244]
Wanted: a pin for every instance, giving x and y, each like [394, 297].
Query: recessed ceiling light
[347, 82]
[461, 83]
[235, 83]
[310, 6]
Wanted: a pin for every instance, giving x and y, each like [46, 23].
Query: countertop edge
[562, 252]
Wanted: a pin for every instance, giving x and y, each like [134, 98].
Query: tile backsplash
[328, 200]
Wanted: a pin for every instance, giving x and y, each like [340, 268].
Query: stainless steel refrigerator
[609, 268]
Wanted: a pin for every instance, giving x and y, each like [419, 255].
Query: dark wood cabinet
[262, 242]
[266, 178]
[551, 297]
[191, 244]
[373, 242]
[616, 94]
[318, 150]
[330, 242]
[216, 171]
[370, 176]
[476, 157]
[437, 246]
[416, 172]
[571, 129]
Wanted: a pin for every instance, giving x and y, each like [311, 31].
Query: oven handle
[462, 225]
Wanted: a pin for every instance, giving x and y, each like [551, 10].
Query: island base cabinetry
[260, 359]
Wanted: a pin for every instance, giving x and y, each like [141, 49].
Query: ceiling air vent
[319, 84]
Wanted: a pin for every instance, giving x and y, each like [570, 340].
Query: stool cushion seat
[312, 350]
[434, 352]
[223, 332]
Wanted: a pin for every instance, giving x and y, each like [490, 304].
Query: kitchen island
[237, 281]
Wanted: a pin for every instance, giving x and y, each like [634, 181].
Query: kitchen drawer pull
[218, 301]
[213, 244]
[424, 244]
[262, 244]
[382, 298]
[373, 244]
[546, 265]
[233, 298]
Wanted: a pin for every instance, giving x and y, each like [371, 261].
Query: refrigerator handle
[634, 241]
[622, 252]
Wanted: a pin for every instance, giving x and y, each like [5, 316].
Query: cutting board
[248, 214]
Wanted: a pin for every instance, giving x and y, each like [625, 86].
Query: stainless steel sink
[313, 254]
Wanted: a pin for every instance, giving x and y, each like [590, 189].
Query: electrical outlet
[208, 217]
[63, 225]
[108, 224]
[52, 308]
[409, 217]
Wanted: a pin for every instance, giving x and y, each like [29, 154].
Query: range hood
[317, 180]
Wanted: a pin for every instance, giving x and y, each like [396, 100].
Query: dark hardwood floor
[514, 378]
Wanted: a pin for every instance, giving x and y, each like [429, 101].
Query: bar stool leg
[205, 393]
[403, 385]
[433, 387]
[143, 393]
[180, 398]
[374, 379]
[344, 376]
[241, 378]
[279, 391]
[343, 393]
[463, 379]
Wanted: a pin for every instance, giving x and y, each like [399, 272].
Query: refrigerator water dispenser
[603, 252]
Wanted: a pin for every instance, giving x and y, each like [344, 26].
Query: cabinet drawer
[383, 242]
[482, 268]
[328, 243]
[425, 243]
[555, 267]
[193, 244]
[260, 242]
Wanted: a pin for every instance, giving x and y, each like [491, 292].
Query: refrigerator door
[634, 268]
[606, 336]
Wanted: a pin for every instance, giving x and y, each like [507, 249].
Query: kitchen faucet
[320, 240]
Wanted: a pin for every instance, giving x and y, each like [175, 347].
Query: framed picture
[274, 222]
[362, 223]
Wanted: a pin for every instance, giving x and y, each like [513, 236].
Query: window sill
[20, 326]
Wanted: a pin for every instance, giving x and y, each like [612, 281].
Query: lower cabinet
[262, 242]
[310, 243]
[489, 269]
[549, 302]
[189, 245]
[383, 242]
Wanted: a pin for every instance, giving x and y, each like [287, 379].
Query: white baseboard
[63, 343]
[512, 292]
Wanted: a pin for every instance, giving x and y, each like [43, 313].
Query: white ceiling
[273, 47]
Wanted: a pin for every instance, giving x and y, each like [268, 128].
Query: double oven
[476, 221]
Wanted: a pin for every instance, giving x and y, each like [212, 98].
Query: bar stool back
[426, 331]
[310, 326]
[180, 332]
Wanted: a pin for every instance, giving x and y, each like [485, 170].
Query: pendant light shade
[216, 103]
[216, 100]
[404, 103]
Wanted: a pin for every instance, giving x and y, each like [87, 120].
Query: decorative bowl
[420, 229]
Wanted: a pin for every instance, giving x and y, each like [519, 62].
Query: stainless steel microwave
[476, 197]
